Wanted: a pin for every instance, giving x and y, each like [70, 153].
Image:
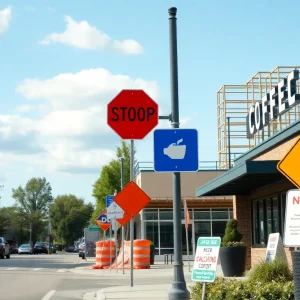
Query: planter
[152, 254]
[233, 261]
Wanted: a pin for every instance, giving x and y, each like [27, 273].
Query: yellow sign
[289, 165]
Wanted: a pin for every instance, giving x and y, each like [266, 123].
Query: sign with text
[114, 211]
[275, 248]
[292, 219]
[206, 259]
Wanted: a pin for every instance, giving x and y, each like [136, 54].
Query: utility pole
[179, 290]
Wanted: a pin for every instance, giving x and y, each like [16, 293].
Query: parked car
[70, 248]
[25, 249]
[13, 247]
[4, 248]
[40, 248]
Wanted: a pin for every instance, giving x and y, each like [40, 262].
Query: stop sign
[132, 114]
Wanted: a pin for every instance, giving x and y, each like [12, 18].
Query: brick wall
[277, 152]
[242, 213]
[258, 256]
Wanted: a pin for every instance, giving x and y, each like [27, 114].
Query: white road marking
[11, 269]
[49, 295]
[62, 270]
[37, 269]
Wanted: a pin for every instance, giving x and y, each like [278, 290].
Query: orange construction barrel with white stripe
[105, 254]
[141, 254]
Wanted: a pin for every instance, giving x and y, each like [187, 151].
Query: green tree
[69, 215]
[110, 178]
[33, 202]
[6, 216]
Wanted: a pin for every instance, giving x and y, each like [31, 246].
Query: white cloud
[5, 18]
[87, 88]
[25, 108]
[71, 134]
[85, 36]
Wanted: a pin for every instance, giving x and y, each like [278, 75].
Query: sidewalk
[156, 273]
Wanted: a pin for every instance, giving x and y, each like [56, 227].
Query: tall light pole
[179, 290]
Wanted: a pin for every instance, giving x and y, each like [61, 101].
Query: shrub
[232, 234]
[229, 289]
[277, 271]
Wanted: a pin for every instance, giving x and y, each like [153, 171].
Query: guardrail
[213, 165]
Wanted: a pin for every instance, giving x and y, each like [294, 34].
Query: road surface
[47, 277]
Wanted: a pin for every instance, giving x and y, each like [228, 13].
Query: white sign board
[292, 219]
[206, 259]
[275, 248]
[114, 211]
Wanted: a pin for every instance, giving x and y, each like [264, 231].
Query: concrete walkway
[139, 290]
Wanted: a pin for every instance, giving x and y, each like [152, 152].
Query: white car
[25, 249]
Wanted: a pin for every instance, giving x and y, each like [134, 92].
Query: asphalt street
[52, 277]
[46, 277]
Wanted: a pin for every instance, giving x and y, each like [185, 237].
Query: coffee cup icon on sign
[176, 151]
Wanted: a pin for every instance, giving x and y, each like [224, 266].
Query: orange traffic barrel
[105, 254]
[141, 254]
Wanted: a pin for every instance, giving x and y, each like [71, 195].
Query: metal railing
[212, 165]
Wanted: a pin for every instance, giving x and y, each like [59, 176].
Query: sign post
[132, 114]
[206, 261]
[123, 228]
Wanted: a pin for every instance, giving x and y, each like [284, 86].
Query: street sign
[132, 199]
[123, 221]
[109, 200]
[94, 227]
[103, 221]
[206, 259]
[132, 114]
[176, 150]
[114, 211]
[292, 219]
[290, 164]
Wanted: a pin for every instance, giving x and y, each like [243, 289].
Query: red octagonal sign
[132, 114]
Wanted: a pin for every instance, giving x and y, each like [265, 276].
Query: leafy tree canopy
[33, 202]
[110, 178]
[69, 215]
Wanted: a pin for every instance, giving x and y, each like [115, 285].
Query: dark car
[4, 248]
[13, 247]
[40, 248]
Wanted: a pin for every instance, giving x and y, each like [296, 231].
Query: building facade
[258, 188]
[208, 215]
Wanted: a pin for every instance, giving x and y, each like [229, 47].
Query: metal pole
[110, 248]
[187, 247]
[228, 132]
[116, 238]
[203, 290]
[123, 229]
[179, 290]
[131, 221]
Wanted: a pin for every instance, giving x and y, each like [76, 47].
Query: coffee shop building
[258, 123]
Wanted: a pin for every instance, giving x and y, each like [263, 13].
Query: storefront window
[267, 218]
[151, 229]
[166, 235]
[158, 226]
[150, 214]
[218, 228]
[166, 214]
[202, 214]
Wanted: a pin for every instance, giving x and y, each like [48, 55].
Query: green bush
[229, 289]
[231, 233]
[277, 270]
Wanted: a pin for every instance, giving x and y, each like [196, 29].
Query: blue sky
[61, 63]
